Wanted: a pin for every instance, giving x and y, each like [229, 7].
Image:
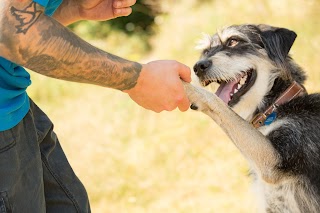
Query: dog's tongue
[225, 89]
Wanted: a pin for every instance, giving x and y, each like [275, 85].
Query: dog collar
[268, 116]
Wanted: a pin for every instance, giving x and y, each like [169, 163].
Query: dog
[263, 107]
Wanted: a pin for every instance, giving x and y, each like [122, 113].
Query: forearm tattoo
[47, 47]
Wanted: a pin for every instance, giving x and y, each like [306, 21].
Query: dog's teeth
[243, 80]
[239, 86]
[235, 91]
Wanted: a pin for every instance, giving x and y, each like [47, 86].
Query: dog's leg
[252, 143]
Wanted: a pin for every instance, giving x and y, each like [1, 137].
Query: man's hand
[73, 10]
[104, 9]
[159, 86]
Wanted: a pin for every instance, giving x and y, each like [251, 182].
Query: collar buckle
[290, 93]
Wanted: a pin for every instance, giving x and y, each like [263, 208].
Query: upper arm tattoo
[26, 17]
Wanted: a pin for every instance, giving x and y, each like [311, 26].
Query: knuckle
[177, 65]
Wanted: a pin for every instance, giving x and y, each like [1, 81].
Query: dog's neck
[267, 116]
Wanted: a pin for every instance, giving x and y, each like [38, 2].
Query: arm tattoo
[26, 17]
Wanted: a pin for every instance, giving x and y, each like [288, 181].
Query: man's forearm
[30, 38]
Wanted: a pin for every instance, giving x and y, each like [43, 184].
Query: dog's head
[245, 60]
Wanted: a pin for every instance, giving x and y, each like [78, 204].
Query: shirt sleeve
[49, 5]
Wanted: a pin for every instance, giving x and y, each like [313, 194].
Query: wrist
[67, 13]
[136, 80]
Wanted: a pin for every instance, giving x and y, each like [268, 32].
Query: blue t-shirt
[14, 80]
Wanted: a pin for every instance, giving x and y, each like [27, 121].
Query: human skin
[43, 44]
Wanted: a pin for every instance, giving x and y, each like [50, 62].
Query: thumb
[185, 73]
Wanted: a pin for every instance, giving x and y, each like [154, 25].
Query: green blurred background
[133, 160]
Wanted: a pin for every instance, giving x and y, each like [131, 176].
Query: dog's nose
[201, 67]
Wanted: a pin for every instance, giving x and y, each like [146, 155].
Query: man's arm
[40, 43]
[71, 11]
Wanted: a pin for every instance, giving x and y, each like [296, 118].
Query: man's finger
[185, 73]
[184, 104]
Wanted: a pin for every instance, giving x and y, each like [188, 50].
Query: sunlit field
[135, 161]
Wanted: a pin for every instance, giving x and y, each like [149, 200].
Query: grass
[133, 160]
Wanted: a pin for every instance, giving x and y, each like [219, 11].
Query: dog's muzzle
[201, 67]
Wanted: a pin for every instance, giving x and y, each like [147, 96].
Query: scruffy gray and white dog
[263, 107]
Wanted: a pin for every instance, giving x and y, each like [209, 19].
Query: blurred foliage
[141, 22]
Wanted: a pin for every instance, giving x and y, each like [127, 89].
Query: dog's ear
[277, 42]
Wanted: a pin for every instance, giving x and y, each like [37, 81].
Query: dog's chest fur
[299, 189]
[288, 196]
[273, 198]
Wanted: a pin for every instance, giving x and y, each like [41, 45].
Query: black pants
[35, 175]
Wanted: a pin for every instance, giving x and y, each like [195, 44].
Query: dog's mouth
[231, 91]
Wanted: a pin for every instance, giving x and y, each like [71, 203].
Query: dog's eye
[232, 42]
[205, 52]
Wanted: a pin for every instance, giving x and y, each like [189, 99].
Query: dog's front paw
[198, 97]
